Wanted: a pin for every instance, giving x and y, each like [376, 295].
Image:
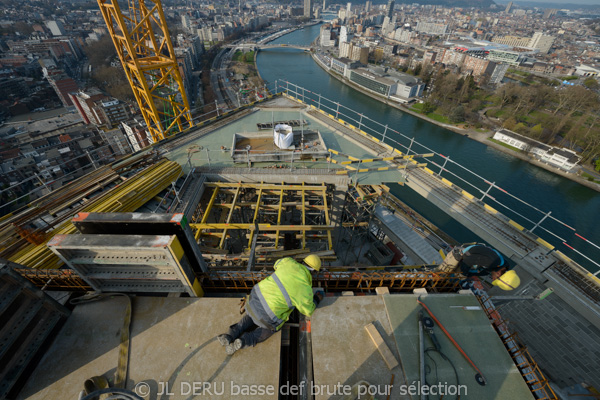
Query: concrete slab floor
[173, 346]
[212, 155]
[473, 332]
[343, 353]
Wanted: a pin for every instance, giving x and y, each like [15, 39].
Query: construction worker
[271, 302]
[479, 260]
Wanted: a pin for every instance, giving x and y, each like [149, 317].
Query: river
[568, 201]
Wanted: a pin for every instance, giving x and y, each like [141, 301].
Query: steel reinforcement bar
[242, 281]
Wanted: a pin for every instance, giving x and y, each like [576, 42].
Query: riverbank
[482, 137]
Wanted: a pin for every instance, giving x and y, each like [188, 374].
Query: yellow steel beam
[208, 209]
[279, 217]
[296, 204]
[255, 217]
[263, 227]
[327, 221]
[297, 236]
[265, 186]
[355, 160]
[127, 197]
[303, 220]
[235, 197]
[352, 169]
[150, 64]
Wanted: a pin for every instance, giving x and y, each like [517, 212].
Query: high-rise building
[63, 85]
[541, 42]
[508, 7]
[345, 49]
[368, 6]
[186, 22]
[326, 39]
[99, 109]
[345, 35]
[390, 8]
[360, 53]
[317, 12]
[56, 27]
[308, 8]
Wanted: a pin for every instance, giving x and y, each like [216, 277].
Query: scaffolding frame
[257, 217]
[144, 46]
[357, 214]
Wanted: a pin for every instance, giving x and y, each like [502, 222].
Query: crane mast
[144, 47]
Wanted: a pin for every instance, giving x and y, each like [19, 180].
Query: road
[226, 97]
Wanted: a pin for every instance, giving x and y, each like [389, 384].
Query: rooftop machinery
[146, 52]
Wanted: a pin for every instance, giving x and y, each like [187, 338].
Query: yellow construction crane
[144, 46]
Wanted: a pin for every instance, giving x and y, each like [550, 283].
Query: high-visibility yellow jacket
[272, 301]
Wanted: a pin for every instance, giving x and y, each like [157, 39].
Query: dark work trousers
[249, 332]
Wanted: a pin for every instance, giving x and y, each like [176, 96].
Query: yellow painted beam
[279, 217]
[255, 216]
[327, 221]
[544, 243]
[516, 225]
[263, 227]
[468, 195]
[265, 186]
[490, 209]
[303, 220]
[235, 197]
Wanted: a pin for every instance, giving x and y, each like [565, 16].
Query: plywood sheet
[344, 354]
[473, 332]
[173, 346]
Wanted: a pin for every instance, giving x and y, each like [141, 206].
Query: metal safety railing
[408, 145]
[440, 162]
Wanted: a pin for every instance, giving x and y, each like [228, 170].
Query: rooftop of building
[390, 76]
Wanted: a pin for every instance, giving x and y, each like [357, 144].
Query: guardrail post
[360, 122]
[384, 134]
[337, 111]
[410, 146]
[443, 167]
[319, 107]
[541, 220]
[488, 190]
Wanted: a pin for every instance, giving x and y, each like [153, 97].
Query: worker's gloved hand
[318, 296]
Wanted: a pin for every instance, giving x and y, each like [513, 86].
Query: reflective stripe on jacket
[273, 299]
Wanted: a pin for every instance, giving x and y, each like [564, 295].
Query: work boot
[233, 347]
[224, 339]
